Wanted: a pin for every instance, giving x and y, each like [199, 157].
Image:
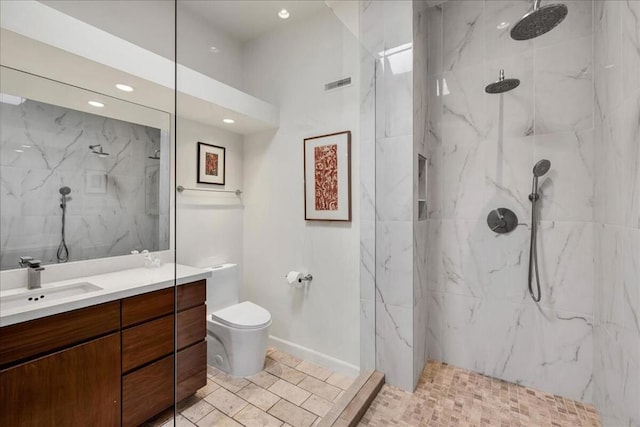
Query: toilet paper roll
[294, 277]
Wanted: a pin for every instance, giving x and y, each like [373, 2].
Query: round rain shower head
[541, 168]
[539, 21]
[502, 85]
[65, 191]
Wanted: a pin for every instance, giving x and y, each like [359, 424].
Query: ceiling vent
[337, 84]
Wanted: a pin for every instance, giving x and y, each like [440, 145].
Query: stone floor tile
[286, 373]
[284, 358]
[258, 396]
[317, 405]
[292, 393]
[207, 389]
[314, 370]
[341, 381]
[233, 384]
[292, 414]
[226, 402]
[251, 416]
[264, 379]
[180, 422]
[197, 411]
[322, 389]
[217, 419]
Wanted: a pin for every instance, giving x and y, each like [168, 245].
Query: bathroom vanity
[106, 364]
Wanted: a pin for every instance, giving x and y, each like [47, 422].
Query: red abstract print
[211, 164]
[326, 177]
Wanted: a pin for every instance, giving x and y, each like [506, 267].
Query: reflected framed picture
[327, 177]
[211, 164]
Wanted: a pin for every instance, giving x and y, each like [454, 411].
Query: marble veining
[111, 209]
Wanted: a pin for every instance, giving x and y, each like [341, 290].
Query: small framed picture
[211, 164]
[95, 182]
[327, 177]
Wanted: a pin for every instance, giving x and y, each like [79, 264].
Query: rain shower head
[538, 21]
[502, 85]
[97, 149]
[65, 191]
[541, 168]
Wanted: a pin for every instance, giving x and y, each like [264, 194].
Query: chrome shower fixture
[62, 254]
[539, 20]
[540, 168]
[502, 85]
[97, 149]
[156, 155]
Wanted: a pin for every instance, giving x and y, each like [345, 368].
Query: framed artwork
[211, 164]
[327, 177]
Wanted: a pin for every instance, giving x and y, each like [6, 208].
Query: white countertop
[115, 286]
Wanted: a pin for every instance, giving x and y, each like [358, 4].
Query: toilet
[237, 332]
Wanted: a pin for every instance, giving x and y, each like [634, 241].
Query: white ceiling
[246, 20]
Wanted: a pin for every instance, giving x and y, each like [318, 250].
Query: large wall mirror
[85, 167]
[83, 176]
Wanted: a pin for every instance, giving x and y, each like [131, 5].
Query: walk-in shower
[540, 168]
[62, 254]
[538, 21]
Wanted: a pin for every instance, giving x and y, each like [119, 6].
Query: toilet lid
[245, 315]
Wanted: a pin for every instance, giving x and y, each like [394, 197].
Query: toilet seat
[245, 315]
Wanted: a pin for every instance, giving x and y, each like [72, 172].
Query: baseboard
[316, 357]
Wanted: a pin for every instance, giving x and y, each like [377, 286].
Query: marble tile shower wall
[386, 32]
[617, 212]
[55, 152]
[481, 150]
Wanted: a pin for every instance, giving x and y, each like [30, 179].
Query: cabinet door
[79, 386]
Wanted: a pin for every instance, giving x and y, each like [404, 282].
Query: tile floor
[449, 396]
[288, 392]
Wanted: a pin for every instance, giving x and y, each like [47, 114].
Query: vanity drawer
[192, 294]
[39, 336]
[146, 342]
[192, 370]
[147, 306]
[192, 326]
[147, 391]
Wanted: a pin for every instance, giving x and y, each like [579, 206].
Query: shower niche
[422, 188]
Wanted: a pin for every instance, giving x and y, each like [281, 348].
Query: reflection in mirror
[79, 181]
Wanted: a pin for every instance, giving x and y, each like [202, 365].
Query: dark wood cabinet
[107, 365]
[79, 386]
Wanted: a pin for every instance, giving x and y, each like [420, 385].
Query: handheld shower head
[538, 21]
[541, 168]
[65, 191]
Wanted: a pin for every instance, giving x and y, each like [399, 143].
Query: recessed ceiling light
[214, 49]
[19, 151]
[25, 146]
[96, 104]
[284, 14]
[502, 25]
[228, 120]
[124, 88]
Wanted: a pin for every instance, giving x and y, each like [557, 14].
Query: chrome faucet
[33, 274]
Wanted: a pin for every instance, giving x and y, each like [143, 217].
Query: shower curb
[350, 408]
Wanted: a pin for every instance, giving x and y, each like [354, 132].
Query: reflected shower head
[65, 191]
[502, 85]
[539, 21]
[99, 152]
[541, 168]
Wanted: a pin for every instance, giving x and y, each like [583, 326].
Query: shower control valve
[502, 220]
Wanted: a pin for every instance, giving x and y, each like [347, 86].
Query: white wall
[289, 68]
[208, 225]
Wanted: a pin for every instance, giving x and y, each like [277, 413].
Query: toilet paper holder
[306, 278]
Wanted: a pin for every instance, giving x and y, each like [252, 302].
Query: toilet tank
[222, 287]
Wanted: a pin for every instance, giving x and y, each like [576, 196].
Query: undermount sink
[35, 297]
